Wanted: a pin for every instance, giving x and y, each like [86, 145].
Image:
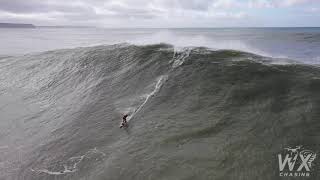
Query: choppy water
[195, 112]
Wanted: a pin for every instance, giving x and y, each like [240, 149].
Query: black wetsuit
[124, 119]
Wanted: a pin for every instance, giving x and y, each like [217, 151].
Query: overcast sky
[162, 13]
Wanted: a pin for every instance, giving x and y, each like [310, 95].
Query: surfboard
[125, 125]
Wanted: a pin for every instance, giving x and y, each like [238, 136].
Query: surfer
[124, 121]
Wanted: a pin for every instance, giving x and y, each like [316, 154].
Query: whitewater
[198, 109]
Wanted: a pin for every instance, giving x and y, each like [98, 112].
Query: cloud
[294, 2]
[40, 16]
[313, 10]
[278, 3]
[260, 4]
[33, 6]
[226, 4]
[121, 9]
[131, 12]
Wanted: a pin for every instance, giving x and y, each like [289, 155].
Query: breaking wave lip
[183, 43]
[180, 42]
[178, 59]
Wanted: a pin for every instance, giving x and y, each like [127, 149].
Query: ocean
[203, 103]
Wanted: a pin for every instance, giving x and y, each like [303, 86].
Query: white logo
[296, 162]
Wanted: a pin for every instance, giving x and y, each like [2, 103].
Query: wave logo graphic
[296, 162]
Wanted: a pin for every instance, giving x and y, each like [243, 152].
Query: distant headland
[16, 25]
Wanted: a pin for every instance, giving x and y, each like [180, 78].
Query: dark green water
[195, 114]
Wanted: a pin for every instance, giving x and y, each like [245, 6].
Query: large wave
[180, 41]
[195, 113]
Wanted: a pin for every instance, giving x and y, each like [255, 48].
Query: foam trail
[178, 59]
[54, 172]
[72, 168]
[162, 79]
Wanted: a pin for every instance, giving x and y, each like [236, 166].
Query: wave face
[194, 113]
